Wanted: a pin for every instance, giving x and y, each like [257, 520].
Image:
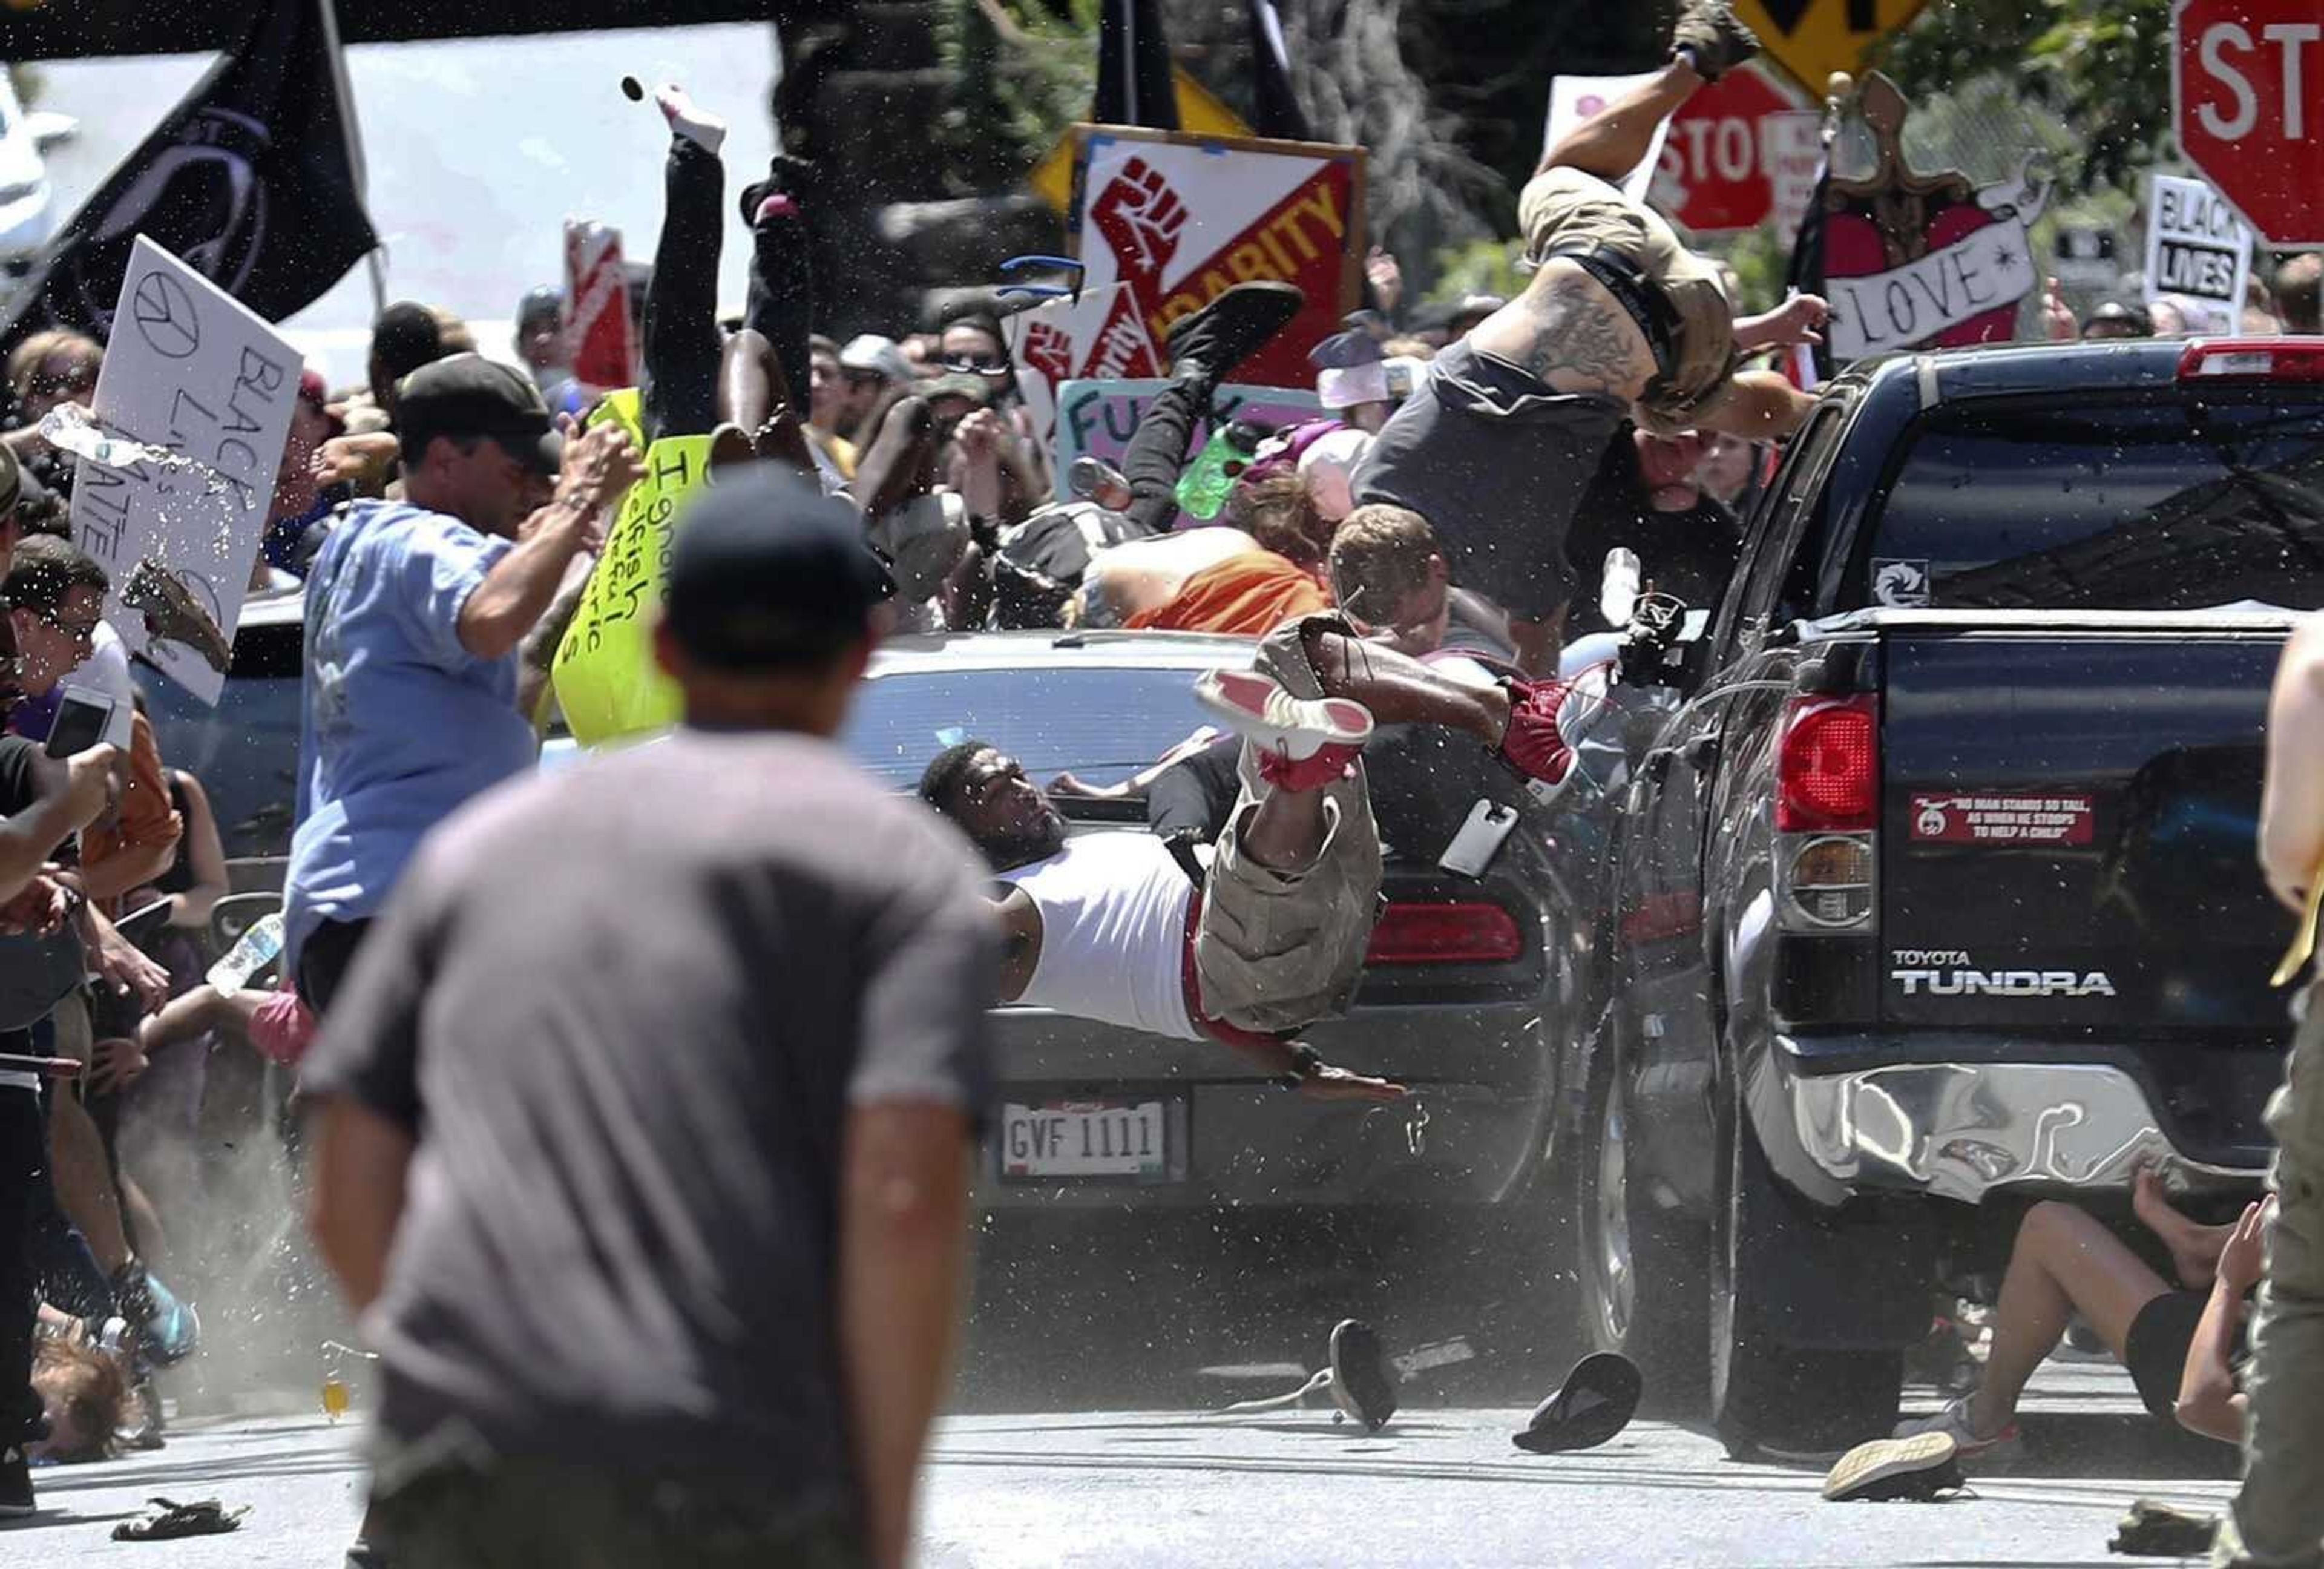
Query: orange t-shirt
[1252, 594]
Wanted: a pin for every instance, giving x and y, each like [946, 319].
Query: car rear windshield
[1100, 723]
[2161, 506]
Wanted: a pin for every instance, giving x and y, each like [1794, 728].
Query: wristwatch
[1306, 1062]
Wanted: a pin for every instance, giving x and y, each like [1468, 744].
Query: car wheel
[1766, 1394]
[1642, 1284]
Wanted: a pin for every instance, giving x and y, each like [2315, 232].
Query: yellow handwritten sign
[604, 673]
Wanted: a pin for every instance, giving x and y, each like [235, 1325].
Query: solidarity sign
[1179, 219]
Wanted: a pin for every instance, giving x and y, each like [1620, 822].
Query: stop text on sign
[2240, 65]
[2248, 91]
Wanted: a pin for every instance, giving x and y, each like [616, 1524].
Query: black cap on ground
[466, 394]
[767, 573]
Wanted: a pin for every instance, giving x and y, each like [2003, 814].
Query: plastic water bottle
[1202, 488]
[260, 947]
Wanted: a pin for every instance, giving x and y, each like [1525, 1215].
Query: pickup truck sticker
[2002, 820]
[1900, 584]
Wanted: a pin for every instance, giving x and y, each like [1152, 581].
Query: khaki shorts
[1276, 950]
[1562, 209]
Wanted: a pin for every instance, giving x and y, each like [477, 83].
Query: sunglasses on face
[977, 364]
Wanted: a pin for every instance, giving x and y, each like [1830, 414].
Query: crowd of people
[1425, 551]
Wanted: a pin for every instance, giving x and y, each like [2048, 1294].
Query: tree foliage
[2103, 67]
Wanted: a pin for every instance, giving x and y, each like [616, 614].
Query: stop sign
[2247, 96]
[1715, 171]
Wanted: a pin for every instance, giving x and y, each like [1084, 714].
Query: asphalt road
[1441, 1485]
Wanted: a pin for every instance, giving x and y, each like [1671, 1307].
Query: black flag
[1134, 86]
[250, 182]
[1275, 109]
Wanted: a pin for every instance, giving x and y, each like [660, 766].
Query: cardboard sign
[606, 681]
[1180, 218]
[597, 307]
[1097, 418]
[2003, 819]
[191, 369]
[1575, 100]
[1101, 337]
[2198, 250]
[1915, 259]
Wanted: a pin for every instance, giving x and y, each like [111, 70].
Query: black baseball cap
[466, 394]
[768, 572]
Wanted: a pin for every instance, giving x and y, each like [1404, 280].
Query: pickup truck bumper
[1962, 1130]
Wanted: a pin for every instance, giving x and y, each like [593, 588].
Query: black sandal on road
[167, 1521]
[1599, 1398]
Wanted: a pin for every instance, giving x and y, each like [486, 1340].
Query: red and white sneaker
[697, 126]
[1302, 743]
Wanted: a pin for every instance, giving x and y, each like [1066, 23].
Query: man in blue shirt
[415, 613]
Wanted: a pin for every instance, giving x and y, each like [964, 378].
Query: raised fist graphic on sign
[1049, 352]
[1141, 218]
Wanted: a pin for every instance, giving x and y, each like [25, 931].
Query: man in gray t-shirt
[659, 1079]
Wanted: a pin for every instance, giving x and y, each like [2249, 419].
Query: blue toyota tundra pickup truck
[1935, 893]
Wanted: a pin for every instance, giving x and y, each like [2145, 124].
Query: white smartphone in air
[1472, 849]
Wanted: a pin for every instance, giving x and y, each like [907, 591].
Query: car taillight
[2272, 359]
[1444, 934]
[1828, 766]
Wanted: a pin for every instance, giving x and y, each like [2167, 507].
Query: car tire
[1640, 1264]
[1767, 1395]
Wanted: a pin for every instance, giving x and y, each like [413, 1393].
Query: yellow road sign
[1812, 38]
[1199, 114]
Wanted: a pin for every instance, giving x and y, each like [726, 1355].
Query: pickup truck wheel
[1640, 1267]
[1767, 1395]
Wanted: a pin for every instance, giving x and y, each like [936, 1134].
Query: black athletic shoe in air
[1232, 328]
[1361, 1381]
[1711, 38]
[1599, 1398]
[1921, 1468]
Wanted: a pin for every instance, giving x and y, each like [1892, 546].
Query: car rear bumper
[1962, 1130]
[1469, 1133]
[1251, 1146]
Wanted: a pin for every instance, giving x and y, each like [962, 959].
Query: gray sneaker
[1711, 38]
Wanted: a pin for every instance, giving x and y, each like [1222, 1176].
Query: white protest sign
[2197, 250]
[1575, 99]
[192, 370]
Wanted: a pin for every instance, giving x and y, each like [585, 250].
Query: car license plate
[1085, 1138]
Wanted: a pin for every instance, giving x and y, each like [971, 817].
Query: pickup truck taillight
[1458, 933]
[1827, 814]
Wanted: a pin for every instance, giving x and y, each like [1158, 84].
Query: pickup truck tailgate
[2068, 830]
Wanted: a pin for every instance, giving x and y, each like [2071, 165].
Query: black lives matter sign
[2195, 247]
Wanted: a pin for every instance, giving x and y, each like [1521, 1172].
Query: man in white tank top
[1113, 925]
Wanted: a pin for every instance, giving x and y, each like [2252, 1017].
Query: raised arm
[600, 465]
[2291, 803]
